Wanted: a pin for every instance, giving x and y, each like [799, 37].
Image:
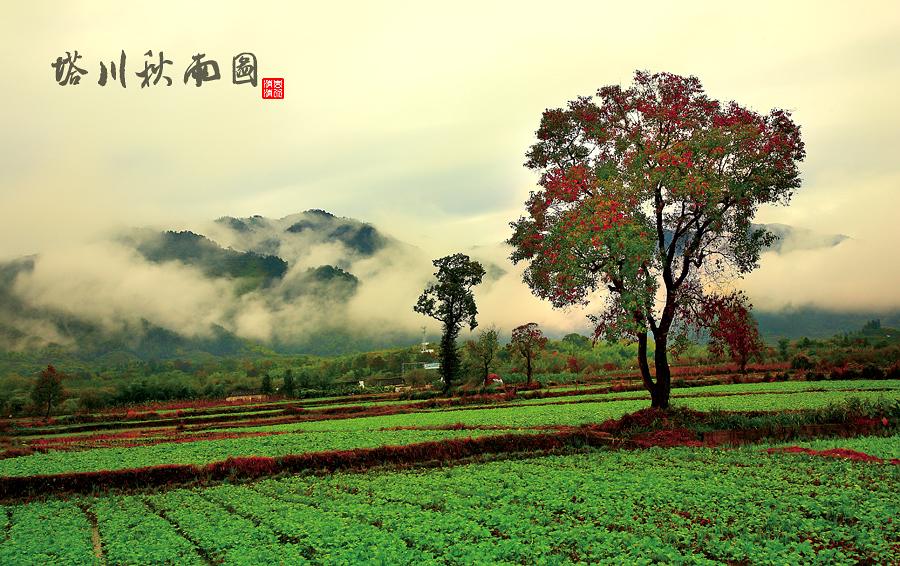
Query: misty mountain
[282, 236]
[27, 327]
[790, 238]
[310, 282]
[199, 251]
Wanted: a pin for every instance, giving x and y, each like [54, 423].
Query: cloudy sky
[416, 116]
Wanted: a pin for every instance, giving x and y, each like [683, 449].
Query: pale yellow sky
[416, 116]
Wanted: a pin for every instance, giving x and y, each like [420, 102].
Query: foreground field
[677, 505]
[506, 479]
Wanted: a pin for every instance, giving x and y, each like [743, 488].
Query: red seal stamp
[272, 89]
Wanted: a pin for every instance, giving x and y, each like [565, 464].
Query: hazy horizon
[416, 119]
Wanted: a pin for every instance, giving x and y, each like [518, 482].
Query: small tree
[577, 341]
[267, 383]
[731, 327]
[48, 390]
[527, 340]
[483, 351]
[305, 378]
[287, 386]
[784, 348]
[872, 325]
[450, 301]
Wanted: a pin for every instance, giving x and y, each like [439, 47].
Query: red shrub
[832, 453]
[644, 418]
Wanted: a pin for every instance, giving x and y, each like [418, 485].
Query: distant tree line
[873, 351]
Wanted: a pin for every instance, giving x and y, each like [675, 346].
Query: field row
[276, 410]
[205, 451]
[679, 505]
[560, 412]
[296, 438]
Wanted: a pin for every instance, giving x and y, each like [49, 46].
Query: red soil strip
[667, 438]
[833, 453]
[445, 451]
[168, 439]
[93, 438]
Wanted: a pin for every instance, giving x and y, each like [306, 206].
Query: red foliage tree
[732, 327]
[644, 193]
[527, 340]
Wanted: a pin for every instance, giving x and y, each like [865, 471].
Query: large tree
[48, 390]
[450, 300]
[647, 193]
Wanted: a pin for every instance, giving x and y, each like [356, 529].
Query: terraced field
[797, 502]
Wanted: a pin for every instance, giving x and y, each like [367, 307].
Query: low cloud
[112, 286]
[855, 275]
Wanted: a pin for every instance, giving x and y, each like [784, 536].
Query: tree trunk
[663, 386]
[659, 390]
[528, 369]
[449, 356]
[642, 362]
[49, 405]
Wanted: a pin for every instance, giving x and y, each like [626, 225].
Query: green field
[676, 505]
[363, 432]
[692, 505]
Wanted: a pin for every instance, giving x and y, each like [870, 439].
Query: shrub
[802, 361]
[893, 372]
[69, 406]
[89, 401]
[871, 371]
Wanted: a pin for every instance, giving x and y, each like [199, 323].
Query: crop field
[267, 483]
[260, 439]
[694, 505]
